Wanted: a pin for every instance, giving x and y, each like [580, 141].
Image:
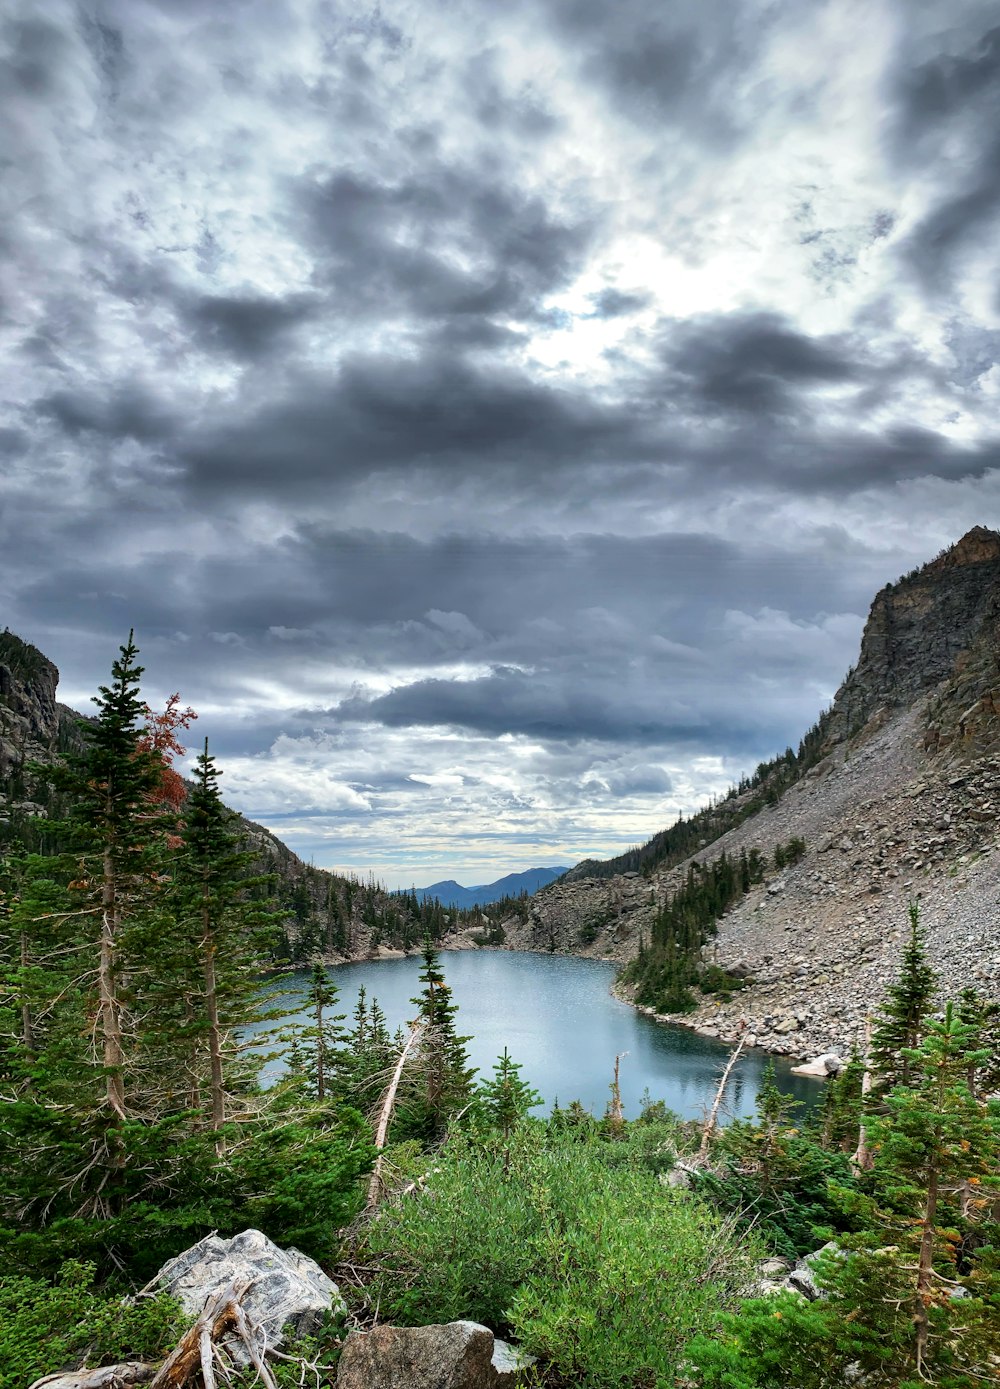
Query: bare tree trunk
[217, 1084]
[709, 1127]
[109, 1012]
[925, 1270]
[194, 1083]
[320, 1054]
[385, 1116]
[616, 1114]
[27, 1022]
[861, 1159]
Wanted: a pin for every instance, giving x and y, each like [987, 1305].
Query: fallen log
[107, 1377]
[701, 1157]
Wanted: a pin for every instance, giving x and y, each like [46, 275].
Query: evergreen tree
[933, 1138]
[113, 783]
[900, 1023]
[218, 937]
[447, 1078]
[323, 1040]
[505, 1099]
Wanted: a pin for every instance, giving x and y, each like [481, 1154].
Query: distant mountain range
[452, 894]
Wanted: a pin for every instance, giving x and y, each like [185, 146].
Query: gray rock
[459, 1355]
[287, 1290]
[509, 1362]
[802, 1279]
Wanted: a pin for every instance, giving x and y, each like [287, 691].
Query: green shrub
[574, 1247]
[46, 1326]
[628, 1271]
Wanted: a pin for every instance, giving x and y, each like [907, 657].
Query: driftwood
[385, 1116]
[191, 1360]
[713, 1115]
[217, 1317]
[108, 1377]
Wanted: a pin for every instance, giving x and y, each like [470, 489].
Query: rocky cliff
[34, 727]
[902, 804]
[935, 629]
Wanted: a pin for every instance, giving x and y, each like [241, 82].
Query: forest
[619, 1253]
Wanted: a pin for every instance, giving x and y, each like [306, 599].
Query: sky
[494, 419]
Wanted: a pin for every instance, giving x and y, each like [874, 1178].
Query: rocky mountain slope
[901, 803]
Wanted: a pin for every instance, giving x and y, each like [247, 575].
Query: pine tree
[219, 931]
[505, 1098]
[322, 1041]
[113, 783]
[900, 1024]
[932, 1137]
[447, 1078]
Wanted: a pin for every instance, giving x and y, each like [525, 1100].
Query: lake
[557, 1018]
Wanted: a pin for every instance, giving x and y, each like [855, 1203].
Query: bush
[576, 1249]
[47, 1326]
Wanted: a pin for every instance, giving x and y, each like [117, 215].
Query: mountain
[452, 894]
[896, 795]
[320, 914]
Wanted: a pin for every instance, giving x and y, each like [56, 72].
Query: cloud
[498, 422]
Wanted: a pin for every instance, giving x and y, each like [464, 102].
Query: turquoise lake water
[557, 1018]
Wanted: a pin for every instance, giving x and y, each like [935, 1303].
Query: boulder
[802, 1279]
[459, 1355]
[287, 1289]
[829, 1064]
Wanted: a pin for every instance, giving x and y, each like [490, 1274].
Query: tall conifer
[900, 1024]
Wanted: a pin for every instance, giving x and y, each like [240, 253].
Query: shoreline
[617, 990]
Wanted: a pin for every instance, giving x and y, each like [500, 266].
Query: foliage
[776, 1179]
[666, 971]
[914, 1295]
[66, 1323]
[505, 1099]
[900, 1023]
[133, 1123]
[573, 1246]
[439, 1082]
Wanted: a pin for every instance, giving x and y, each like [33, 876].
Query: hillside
[320, 913]
[896, 800]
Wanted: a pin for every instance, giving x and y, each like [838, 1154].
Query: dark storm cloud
[389, 412]
[672, 64]
[537, 706]
[948, 117]
[250, 325]
[126, 411]
[481, 248]
[359, 361]
[950, 83]
[754, 363]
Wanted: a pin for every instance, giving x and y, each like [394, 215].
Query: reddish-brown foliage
[161, 738]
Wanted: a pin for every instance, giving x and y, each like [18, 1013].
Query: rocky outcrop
[458, 1355]
[933, 626]
[30, 717]
[288, 1293]
[904, 805]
